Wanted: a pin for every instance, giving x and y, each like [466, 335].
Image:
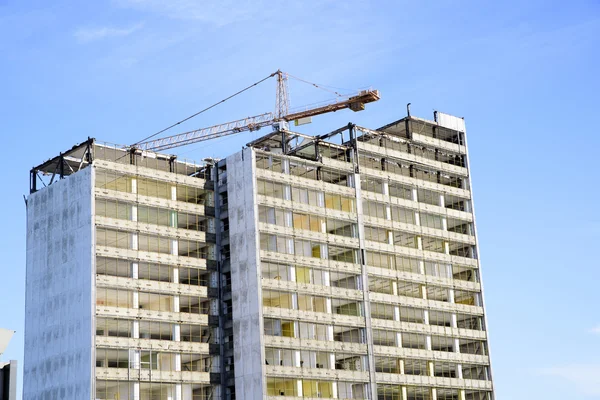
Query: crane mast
[282, 113]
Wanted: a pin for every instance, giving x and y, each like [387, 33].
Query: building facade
[339, 266]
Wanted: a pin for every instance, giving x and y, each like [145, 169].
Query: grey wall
[59, 291]
[245, 276]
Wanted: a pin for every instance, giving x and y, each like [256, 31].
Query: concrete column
[462, 394]
[417, 218]
[430, 368]
[400, 366]
[459, 372]
[135, 391]
[298, 389]
[326, 278]
[297, 359]
[330, 333]
[442, 201]
[456, 346]
[285, 166]
[388, 212]
[386, 188]
[135, 299]
[287, 192]
[334, 390]
[135, 329]
[292, 273]
[415, 196]
[328, 305]
[134, 241]
[178, 392]
[398, 339]
[395, 288]
[331, 361]
[404, 393]
[433, 394]
[135, 270]
[175, 275]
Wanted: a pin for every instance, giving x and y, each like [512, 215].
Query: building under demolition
[339, 266]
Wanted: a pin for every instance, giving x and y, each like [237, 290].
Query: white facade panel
[59, 291]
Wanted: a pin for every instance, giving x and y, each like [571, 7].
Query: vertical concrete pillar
[334, 390]
[326, 278]
[404, 393]
[330, 333]
[135, 391]
[178, 391]
[285, 166]
[292, 273]
[462, 394]
[400, 366]
[433, 394]
[176, 330]
[287, 192]
[298, 389]
[398, 339]
[331, 361]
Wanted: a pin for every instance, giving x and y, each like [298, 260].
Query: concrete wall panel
[59, 291]
[245, 277]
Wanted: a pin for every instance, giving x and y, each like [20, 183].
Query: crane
[355, 102]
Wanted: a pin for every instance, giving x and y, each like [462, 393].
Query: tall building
[8, 370]
[339, 266]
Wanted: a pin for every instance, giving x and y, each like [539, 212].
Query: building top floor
[442, 139]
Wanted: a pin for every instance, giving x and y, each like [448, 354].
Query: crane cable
[316, 85]
[206, 109]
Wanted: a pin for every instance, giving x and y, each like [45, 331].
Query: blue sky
[523, 74]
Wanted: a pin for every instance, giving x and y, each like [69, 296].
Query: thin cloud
[595, 330]
[214, 12]
[583, 377]
[85, 35]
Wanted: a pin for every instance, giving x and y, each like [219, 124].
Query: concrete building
[8, 370]
[340, 266]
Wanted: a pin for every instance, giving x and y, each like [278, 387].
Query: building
[8, 370]
[341, 266]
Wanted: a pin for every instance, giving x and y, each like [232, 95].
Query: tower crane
[355, 102]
